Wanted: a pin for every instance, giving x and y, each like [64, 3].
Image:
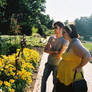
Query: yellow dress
[65, 72]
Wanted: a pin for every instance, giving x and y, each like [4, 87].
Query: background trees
[27, 13]
[27, 16]
[84, 26]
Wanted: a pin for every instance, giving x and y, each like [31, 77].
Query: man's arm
[51, 52]
[65, 44]
[48, 46]
[62, 51]
[47, 49]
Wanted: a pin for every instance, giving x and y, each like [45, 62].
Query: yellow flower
[29, 80]
[1, 82]
[11, 90]
[7, 83]
[11, 81]
[12, 73]
[16, 77]
[31, 55]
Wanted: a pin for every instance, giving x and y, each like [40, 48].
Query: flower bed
[15, 78]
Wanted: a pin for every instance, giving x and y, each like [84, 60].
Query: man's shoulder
[63, 40]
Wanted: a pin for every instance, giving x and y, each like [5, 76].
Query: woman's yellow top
[66, 68]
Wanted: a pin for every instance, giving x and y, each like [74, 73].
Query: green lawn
[88, 45]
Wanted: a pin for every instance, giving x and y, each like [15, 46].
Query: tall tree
[84, 27]
[28, 13]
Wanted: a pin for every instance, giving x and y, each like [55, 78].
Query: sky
[61, 10]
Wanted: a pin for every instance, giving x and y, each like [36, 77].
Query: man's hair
[58, 23]
[71, 30]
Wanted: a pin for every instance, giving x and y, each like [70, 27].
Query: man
[55, 47]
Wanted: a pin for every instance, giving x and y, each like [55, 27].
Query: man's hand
[59, 56]
[47, 47]
[54, 52]
[51, 52]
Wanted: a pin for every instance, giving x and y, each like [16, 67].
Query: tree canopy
[84, 27]
[28, 13]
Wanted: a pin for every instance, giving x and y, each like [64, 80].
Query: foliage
[2, 3]
[45, 20]
[88, 45]
[12, 80]
[29, 14]
[84, 27]
[49, 32]
[35, 42]
[14, 27]
[34, 30]
[9, 44]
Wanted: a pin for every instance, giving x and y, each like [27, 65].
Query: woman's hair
[71, 30]
[58, 23]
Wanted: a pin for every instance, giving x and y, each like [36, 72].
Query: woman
[74, 59]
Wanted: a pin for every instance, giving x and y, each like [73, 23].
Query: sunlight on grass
[88, 45]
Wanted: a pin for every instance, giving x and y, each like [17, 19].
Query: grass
[88, 45]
